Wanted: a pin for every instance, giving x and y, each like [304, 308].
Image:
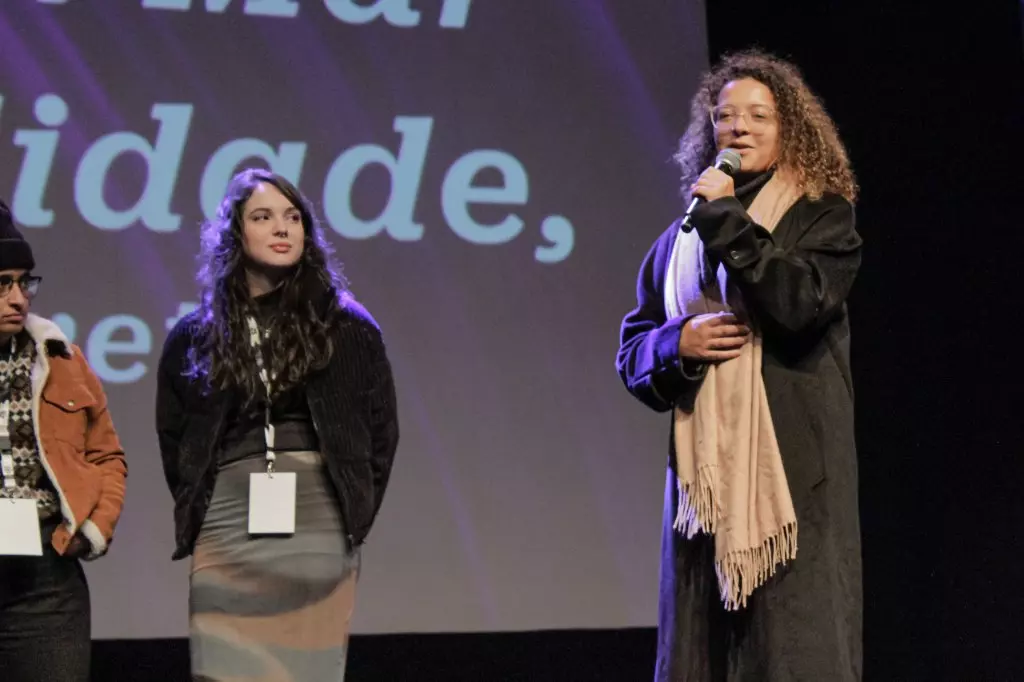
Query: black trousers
[44, 617]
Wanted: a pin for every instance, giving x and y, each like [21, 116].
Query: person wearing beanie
[62, 480]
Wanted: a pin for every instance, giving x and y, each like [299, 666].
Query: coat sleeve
[648, 359]
[102, 450]
[170, 409]
[383, 416]
[789, 290]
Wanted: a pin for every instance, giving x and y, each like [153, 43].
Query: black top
[244, 428]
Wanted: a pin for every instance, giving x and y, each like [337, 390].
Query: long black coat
[805, 623]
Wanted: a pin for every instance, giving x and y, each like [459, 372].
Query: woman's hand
[713, 337]
[713, 184]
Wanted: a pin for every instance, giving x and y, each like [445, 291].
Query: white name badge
[5, 414]
[272, 503]
[19, 528]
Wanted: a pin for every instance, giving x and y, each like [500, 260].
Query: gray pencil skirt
[272, 608]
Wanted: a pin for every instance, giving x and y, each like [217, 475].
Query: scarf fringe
[741, 571]
[698, 513]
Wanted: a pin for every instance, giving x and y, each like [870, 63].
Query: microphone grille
[728, 161]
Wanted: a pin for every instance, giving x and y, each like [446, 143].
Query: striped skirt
[272, 608]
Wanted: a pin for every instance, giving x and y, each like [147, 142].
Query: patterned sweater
[30, 479]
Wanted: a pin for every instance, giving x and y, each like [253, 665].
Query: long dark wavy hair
[313, 295]
[810, 147]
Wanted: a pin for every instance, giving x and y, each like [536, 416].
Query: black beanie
[15, 253]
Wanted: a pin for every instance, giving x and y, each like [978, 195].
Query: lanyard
[268, 426]
[6, 454]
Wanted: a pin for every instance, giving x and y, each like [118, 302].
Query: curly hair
[313, 294]
[810, 147]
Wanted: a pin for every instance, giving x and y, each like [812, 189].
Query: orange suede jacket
[78, 445]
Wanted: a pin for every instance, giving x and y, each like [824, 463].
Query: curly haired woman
[741, 331]
[277, 424]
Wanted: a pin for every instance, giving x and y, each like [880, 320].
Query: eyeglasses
[758, 118]
[29, 284]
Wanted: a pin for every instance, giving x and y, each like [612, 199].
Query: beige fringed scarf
[731, 480]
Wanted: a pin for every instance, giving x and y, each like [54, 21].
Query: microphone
[727, 161]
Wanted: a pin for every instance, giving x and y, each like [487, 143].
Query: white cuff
[99, 543]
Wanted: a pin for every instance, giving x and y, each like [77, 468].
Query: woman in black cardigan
[273, 498]
[761, 566]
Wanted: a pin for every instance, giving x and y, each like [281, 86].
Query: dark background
[929, 103]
